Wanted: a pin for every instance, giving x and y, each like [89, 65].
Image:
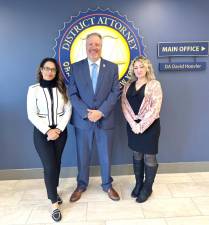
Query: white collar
[97, 62]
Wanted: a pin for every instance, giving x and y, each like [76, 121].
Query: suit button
[94, 99]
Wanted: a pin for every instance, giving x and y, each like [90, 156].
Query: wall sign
[184, 66]
[198, 48]
[182, 49]
[121, 40]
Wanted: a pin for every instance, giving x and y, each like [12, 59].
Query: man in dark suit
[94, 90]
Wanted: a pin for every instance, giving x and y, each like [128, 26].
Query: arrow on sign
[203, 48]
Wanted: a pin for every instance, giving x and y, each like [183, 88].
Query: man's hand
[94, 115]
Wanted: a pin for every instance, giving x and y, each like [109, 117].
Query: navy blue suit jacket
[83, 97]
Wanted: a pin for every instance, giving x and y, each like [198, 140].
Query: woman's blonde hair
[146, 63]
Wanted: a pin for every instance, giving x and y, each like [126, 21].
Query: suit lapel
[87, 76]
[101, 75]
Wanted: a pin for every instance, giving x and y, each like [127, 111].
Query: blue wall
[28, 29]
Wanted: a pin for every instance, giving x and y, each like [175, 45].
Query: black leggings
[50, 153]
[149, 160]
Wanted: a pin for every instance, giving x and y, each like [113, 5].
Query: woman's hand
[136, 129]
[53, 134]
[58, 131]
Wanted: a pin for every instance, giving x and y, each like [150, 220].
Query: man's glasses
[47, 69]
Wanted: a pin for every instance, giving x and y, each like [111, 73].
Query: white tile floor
[178, 199]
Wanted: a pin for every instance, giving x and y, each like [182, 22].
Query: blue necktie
[94, 76]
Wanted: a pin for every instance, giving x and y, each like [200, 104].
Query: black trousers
[50, 153]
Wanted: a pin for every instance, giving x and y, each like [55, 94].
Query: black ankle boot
[146, 191]
[138, 166]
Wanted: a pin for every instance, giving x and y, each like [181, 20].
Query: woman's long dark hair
[60, 80]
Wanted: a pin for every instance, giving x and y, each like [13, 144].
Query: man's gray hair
[94, 34]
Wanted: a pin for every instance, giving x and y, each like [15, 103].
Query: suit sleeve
[76, 101]
[113, 96]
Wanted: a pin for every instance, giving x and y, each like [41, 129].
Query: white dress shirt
[90, 65]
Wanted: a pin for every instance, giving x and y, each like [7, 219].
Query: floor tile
[162, 208]
[10, 198]
[7, 185]
[202, 204]
[198, 220]
[35, 197]
[74, 212]
[189, 189]
[34, 184]
[114, 210]
[14, 215]
[173, 178]
[181, 198]
[199, 177]
[137, 222]
[98, 222]
[42, 214]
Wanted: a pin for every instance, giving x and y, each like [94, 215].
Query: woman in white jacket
[49, 110]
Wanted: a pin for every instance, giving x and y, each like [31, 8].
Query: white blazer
[42, 111]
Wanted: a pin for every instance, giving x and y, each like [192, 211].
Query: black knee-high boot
[138, 166]
[146, 191]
